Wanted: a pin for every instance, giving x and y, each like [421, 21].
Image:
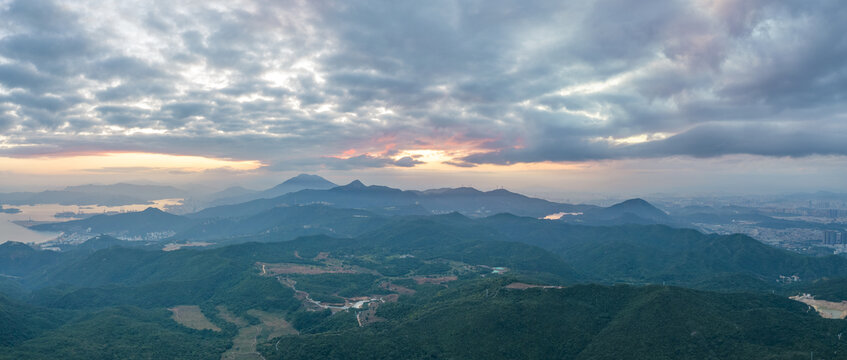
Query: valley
[288, 278]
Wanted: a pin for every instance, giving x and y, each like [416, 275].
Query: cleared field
[368, 316]
[190, 316]
[244, 343]
[274, 324]
[524, 286]
[434, 280]
[175, 246]
[281, 269]
[402, 290]
[229, 317]
[827, 309]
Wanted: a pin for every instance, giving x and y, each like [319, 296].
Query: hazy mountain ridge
[291, 221]
[104, 195]
[390, 201]
[294, 184]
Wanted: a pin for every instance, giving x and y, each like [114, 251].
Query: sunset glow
[264, 90]
[121, 162]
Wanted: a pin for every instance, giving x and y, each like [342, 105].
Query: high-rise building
[831, 237]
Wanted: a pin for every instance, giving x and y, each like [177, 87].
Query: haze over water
[10, 231]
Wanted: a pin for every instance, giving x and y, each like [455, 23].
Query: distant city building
[832, 237]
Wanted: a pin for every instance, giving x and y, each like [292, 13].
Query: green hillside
[657, 253]
[121, 333]
[485, 320]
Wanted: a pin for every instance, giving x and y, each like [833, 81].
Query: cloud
[15, 76]
[367, 161]
[296, 83]
[755, 139]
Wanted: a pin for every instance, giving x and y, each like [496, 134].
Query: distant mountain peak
[455, 215]
[500, 191]
[305, 179]
[15, 245]
[634, 202]
[638, 207]
[152, 210]
[299, 182]
[355, 184]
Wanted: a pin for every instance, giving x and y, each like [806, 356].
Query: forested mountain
[19, 259]
[21, 322]
[372, 273]
[656, 253]
[472, 202]
[633, 211]
[287, 221]
[390, 201]
[489, 320]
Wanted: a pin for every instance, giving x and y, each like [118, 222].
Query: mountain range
[446, 273]
[236, 195]
[390, 201]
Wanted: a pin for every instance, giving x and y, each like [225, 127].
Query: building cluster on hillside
[80, 237]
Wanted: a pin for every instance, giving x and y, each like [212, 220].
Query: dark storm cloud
[299, 83]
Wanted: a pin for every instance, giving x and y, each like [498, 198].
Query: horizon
[596, 198]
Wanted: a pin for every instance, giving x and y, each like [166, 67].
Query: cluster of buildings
[832, 237]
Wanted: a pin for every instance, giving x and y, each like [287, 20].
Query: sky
[605, 96]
